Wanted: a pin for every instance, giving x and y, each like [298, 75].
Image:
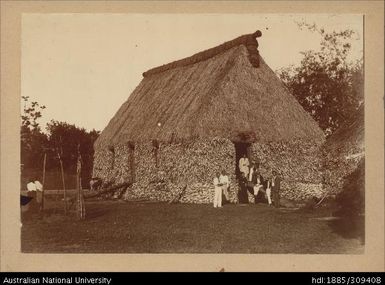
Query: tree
[33, 141]
[325, 83]
[66, 138]
[60, 137]
[31, 113]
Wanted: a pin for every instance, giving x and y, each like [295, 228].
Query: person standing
[244, 165]
[268, 192]
[39, 193]
[242, 194]
[217, 191]
[224, 180]
[258, 185]
[31, 188]
[251, 174]
[275, 188]
[251, 179]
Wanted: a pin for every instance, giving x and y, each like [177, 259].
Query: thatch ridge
[249, 41]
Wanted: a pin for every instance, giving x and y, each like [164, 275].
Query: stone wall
[299, 164]
[163, 172]
[112, 166]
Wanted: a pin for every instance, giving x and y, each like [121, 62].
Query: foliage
[31, 113]
[64, 139]
[325, 83]
[33, 141]
[61, 138]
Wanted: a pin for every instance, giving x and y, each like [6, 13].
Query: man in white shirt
[258, 185]
[225, 181]
[217, 192]
[244, 165]
[39, 192]
[38, 185]
[31, 187]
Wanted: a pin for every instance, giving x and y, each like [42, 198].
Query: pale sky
[82, 67]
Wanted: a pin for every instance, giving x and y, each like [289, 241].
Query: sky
[83, 67]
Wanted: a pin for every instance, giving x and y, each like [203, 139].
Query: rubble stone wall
[161, 173]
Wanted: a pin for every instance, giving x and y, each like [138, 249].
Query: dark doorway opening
[111, 149]
[241, 148]
[155, 151]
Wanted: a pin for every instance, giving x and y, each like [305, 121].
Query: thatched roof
[349, 138]
[249, 41]
[227, 91]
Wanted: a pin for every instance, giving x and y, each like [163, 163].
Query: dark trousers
[33, 205]
[276, 197]
[242, 196]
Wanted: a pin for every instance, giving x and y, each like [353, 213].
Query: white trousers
[218, 197]
[226, 192]
[256, 189]
[268, 194]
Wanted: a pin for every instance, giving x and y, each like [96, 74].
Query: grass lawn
[128, 227]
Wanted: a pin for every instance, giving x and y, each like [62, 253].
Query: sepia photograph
[192, 133]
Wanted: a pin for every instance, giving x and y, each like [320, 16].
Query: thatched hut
[193, 117]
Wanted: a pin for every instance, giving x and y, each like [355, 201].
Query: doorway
[241, 148]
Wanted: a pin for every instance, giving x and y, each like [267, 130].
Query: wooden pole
[44, 163]
[81, 212]
[83, 204]
[64, 186]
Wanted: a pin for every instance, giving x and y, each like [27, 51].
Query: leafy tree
[33, 141]
[61, 137]
[65, 139]
[325, 83]
[31, 113]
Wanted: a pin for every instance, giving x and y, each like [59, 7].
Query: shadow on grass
[94, 212]
[349, 227]
[54, 215]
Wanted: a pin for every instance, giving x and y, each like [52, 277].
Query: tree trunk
[64, 187]
[42, 198]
